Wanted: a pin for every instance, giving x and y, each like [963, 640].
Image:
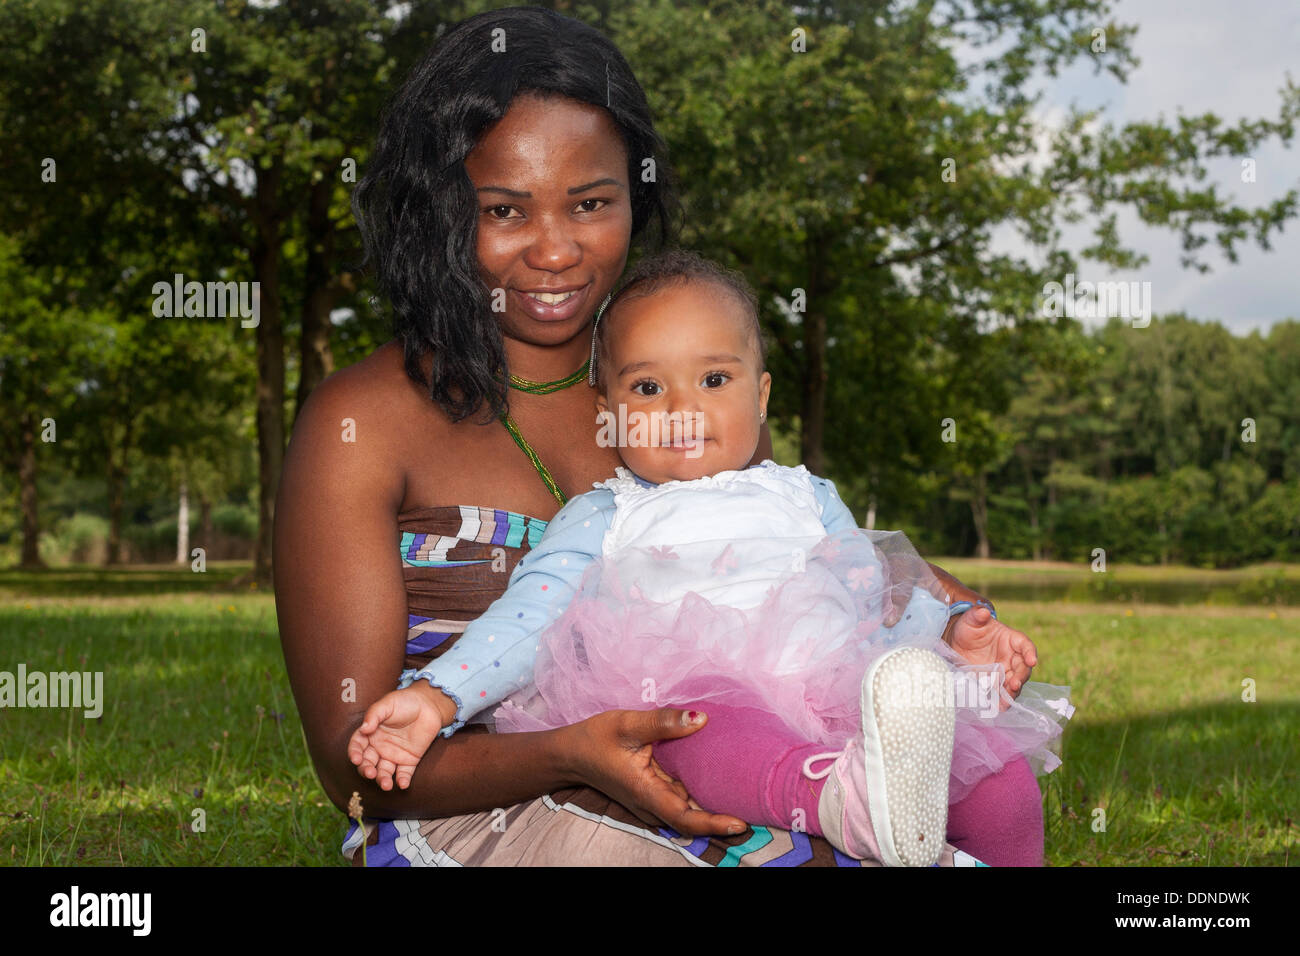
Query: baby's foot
[887, 796]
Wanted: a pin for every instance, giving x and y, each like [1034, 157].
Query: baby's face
[683, 374]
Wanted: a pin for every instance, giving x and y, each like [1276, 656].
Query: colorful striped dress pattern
[456, 561]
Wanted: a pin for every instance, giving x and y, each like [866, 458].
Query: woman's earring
[762, 416]
[591, 364]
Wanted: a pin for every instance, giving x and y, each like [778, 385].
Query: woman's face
[555, 215]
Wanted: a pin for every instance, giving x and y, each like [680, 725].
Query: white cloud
[1200, 56]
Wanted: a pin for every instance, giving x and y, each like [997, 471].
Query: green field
[198, 716]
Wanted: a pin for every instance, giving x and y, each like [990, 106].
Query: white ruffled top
[761, 511]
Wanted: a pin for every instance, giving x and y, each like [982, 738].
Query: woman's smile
[553, 306]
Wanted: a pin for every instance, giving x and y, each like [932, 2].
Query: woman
[504, 196]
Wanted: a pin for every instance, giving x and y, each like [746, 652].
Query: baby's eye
[715, 379]
[646, 389]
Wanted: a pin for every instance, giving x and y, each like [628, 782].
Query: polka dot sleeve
[836, 515]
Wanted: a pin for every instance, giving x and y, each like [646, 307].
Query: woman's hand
[611, 752]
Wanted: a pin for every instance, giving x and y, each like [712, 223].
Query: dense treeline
[1175, 442]
[840, 156]
[1178, 442]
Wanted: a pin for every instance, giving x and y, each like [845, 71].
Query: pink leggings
[746, 762]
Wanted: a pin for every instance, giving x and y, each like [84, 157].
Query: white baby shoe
[887, 796]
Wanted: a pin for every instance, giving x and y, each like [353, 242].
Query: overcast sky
[1229, 57]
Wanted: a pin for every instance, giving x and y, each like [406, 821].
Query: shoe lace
[818, 774]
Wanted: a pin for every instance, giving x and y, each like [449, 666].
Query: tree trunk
[116, 493]
[270, 370]
[31, 557]
[813, 412]
[1031, 500]
[980, 513]
[205, 525]
[1050, 552]
[871, 514]
[813, 409]
[183, 526]
[1034, 530]
[316, 360]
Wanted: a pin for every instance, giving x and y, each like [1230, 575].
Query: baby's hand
[398, 729]
[982, 639]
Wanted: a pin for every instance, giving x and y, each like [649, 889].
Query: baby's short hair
[675, 267]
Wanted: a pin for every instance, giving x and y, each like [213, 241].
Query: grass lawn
[197, 716]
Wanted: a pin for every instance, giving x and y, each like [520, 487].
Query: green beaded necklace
[545, 388]
[541, 388]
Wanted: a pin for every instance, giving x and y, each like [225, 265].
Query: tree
[840, 157]
[248, 121]
[40, 351]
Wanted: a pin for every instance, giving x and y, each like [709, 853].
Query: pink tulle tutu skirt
[785, 625]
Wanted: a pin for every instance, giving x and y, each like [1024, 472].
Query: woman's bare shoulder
[355, 433]
[378, 379]
[375, 400]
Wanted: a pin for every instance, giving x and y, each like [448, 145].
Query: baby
[692, 579]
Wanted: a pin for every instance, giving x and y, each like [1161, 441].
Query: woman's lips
[542, 312]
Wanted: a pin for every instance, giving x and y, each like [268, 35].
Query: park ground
[1181, 751]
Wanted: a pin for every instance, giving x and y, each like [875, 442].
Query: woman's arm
[956, 591]
[954, 588]
[341, 603]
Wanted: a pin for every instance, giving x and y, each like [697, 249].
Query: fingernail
[735, 828]
[693, 717]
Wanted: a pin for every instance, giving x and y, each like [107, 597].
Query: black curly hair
[416, 207]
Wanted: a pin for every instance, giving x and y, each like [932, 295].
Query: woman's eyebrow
[520, 194]
[517, 194]
[599, 182]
